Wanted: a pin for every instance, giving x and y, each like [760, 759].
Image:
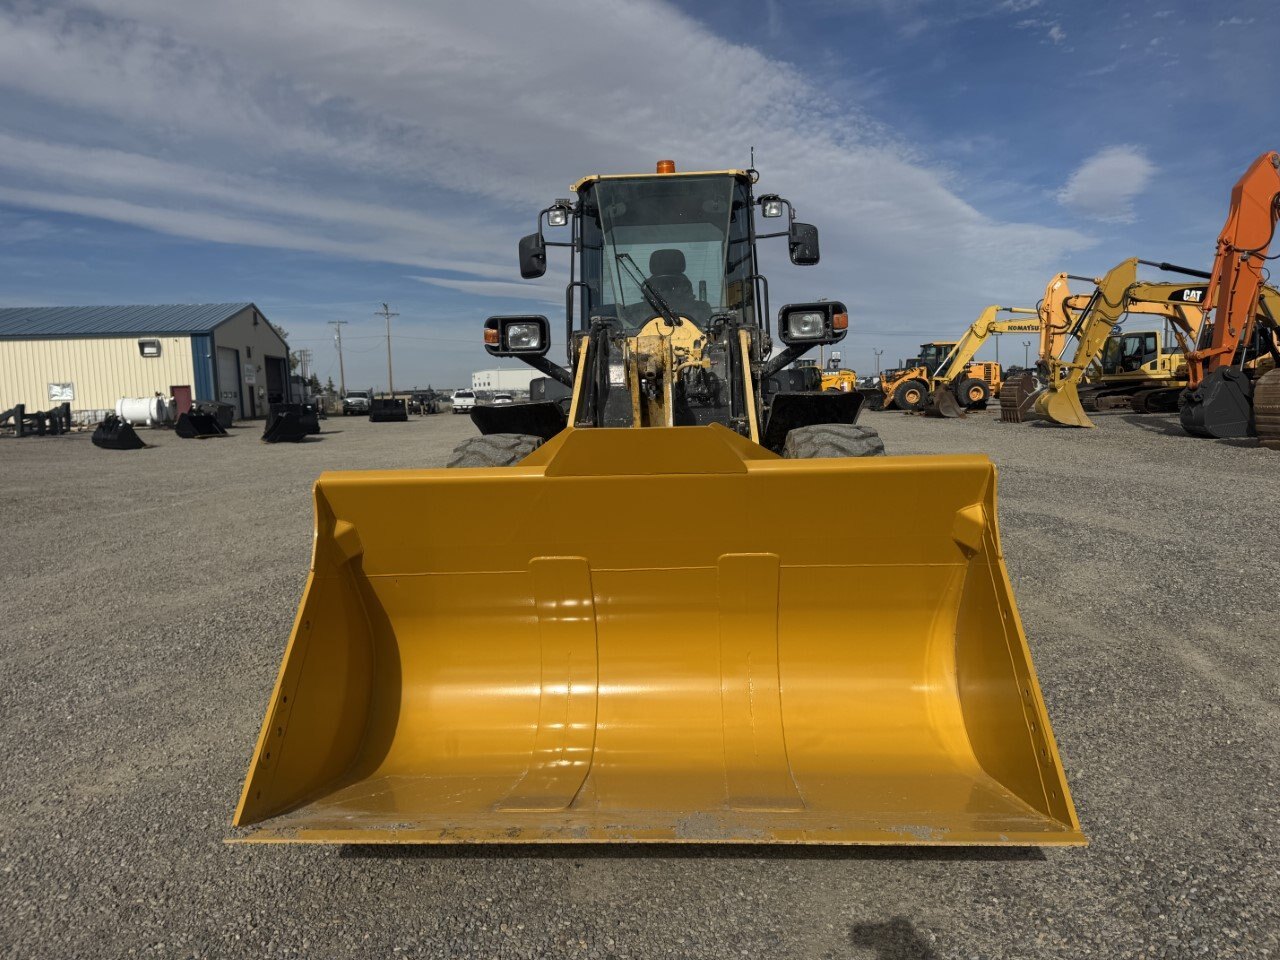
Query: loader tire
[494, 450]
[828, 440]
[911, 395]
[973, 394]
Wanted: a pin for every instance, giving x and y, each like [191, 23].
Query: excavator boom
[1219, 399]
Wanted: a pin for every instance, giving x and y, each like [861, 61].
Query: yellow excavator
[595, 628]
[1056, 316]
[956, 385]
[1117, 294]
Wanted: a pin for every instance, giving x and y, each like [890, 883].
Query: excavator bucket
[609, 642]
[1018, 399]
[1060, 403]
[942, 402]
[1221, 407]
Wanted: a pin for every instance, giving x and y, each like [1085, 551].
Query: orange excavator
[1225, 395]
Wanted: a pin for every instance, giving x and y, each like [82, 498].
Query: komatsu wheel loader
[958, 384]
[612, 629]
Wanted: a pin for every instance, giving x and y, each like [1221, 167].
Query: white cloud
[429, 135]
[1104, 186]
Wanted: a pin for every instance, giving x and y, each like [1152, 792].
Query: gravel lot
[148, 596]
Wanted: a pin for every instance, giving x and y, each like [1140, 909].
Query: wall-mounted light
[149, 348]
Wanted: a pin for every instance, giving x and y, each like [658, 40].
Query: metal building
[93, 356]
[504, 380]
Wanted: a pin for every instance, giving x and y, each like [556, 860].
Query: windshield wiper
[650, 294]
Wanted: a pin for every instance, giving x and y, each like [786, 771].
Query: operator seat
[667, 277]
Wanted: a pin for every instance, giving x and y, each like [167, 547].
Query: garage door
[229, 378]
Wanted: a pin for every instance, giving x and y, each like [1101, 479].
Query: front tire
[494, 450]
[911, 395]
[825, 441]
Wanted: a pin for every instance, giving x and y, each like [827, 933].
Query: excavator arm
[1235, 284]
[1220, 400]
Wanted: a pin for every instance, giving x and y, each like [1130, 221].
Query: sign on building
[249, 374]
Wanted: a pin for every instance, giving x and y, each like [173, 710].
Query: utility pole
[342, 371]
[386, 314]
[1026, 353]
[877, 353]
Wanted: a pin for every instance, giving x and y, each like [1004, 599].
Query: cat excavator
[594, 627]
[1228, 394]
[955, 389]
[1116, 294]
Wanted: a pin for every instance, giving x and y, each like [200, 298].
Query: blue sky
[321, 157]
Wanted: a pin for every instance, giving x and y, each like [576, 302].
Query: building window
[149, 348]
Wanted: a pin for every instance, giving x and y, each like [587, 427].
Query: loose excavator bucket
[612, 641]
[1060, 402]
[942, 402]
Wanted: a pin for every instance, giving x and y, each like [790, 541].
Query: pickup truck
[356, 403]
[463, 401]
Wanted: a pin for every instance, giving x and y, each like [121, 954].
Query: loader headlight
[524, 336]
[806, 326]
[771, 206]
[558, 214]
[517, 336]
[801, 324]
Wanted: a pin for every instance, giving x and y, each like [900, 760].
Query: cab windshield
[677, 242]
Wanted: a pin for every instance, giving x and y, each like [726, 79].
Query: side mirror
[811, 324]
[516, 336]
[803, 239]
[533, 256]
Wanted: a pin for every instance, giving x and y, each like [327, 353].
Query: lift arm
[1235, 283]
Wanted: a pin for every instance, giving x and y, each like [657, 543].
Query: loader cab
[932, 355]
[666, 306]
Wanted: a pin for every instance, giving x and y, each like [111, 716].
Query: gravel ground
[148, 596]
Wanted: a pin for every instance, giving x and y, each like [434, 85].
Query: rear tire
[494, 450]
[973, 394]
[825, 441]
[911, 395]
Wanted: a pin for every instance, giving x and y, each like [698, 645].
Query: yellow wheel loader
[907, 387]
[609, 630]
[959, 384]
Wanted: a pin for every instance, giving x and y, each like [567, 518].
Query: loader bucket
[1060, 402]
[193, 425]
[116, 434]
[609, 642]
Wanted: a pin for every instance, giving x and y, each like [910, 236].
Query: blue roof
[26, 323]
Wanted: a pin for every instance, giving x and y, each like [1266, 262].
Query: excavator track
[1266, 409]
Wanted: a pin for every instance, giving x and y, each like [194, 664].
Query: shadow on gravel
[1155, 423]
[679, 851]
[894, 939]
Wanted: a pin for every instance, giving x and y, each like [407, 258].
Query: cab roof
[592, 178]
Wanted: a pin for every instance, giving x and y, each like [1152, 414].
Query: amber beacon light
[666, 166]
